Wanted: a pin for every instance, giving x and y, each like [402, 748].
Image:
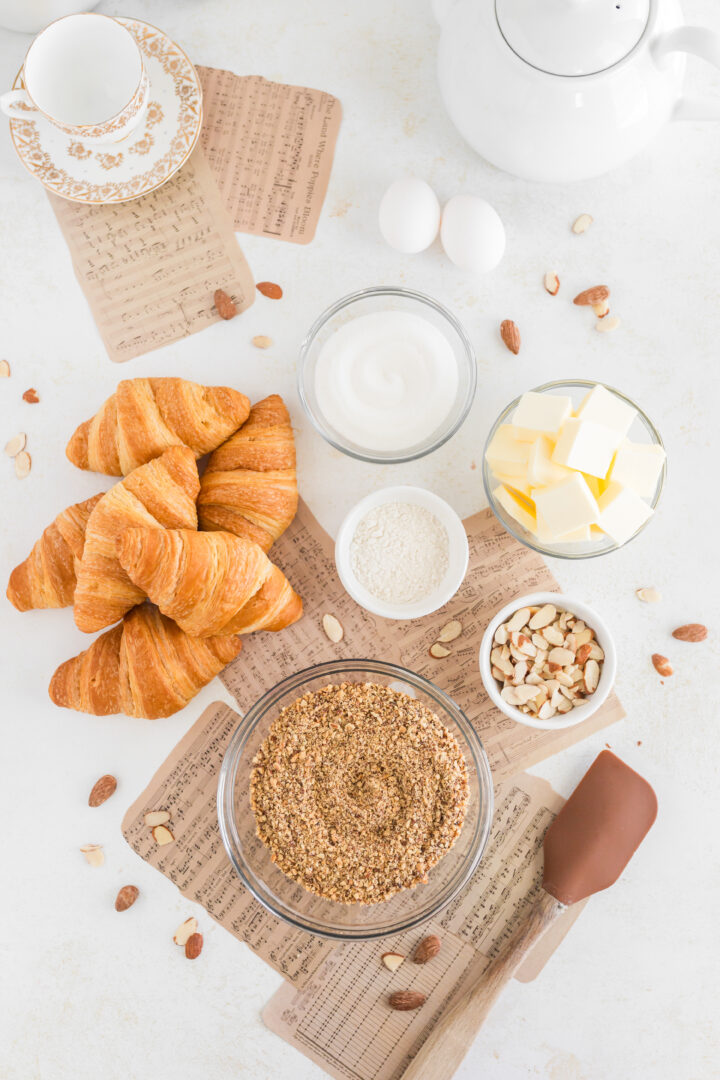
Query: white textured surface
[86, 992]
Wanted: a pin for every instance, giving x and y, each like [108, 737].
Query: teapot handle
[700, 42]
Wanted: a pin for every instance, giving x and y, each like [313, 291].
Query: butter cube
[603, 407]
[545, 535]
[622, 512]
[567, 506]
[596, 485]
[542, 470]
[540, 414]
[638, 466]
[517, 508]
[506, 454]
[586, 446]
[516, 483]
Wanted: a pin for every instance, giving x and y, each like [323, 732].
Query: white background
[85, 992]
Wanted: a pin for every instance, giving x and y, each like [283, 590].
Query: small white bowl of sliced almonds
[548, 661]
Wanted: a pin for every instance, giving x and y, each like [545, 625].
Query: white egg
[472, 234]
[409, 215]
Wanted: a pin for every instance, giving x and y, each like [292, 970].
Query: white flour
[399, 552]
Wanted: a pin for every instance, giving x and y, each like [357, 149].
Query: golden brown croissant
[146, 416]
[209, 583]
[249, 487]
[145, 666]
[47, 578]
[161, 493]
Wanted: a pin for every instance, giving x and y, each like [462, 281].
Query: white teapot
[563, 90]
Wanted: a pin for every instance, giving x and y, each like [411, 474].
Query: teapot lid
[572, 37]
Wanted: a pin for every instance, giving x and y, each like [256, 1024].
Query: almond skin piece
[662, 665]
[102, 790]
[126, 897]
[405, 1000]
[693, 631]
[31, 396]
[428, 947]
[193, 946]
[392, 960]
[510, 335]
[590, 297]
[225, 305]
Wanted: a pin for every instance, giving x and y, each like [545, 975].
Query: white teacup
[85, 74]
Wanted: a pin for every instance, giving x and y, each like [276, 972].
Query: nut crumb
[582, 224]
[262, 341]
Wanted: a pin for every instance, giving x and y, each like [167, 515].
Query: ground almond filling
[358, 790]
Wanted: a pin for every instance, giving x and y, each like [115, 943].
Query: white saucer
[137, 164]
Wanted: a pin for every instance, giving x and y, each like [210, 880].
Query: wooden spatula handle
[442, 1053]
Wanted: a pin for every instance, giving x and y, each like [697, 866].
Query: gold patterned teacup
[85, 74]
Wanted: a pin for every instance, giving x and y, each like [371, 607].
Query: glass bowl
[284, 897]
[643, 430]
[366, 302]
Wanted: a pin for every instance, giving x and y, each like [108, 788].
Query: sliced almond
[521, 670]
[563, 621]
[333, 629]
[438, 651]
[561, 656]
[262, 341]
[591, 676]
[553, 635]
[583, 653]
[596, 653]
[16, 444]
[602, 309]
[525, 693]
[582, 636]
[582, 224]
[606, 325]
[563, 678]
[23, 464]
[546, 712]
[509, 696]
[156, 817]
[450, 631]
[533, 679]
[565, 706]
[501, 635]
[94, 854]
[543, 617]
[570, 643]
[185, 930]
[556, 697]
[4, 369]
[662, 665]
[392, 960]
[648, 595]
[518, 620]
[162, 835]
[497, 674]
[552, 283]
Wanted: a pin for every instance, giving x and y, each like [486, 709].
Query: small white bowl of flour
[402, 552]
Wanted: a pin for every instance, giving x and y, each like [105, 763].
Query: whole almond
[428, 947]
[193, 946]
[405, 1000]
[592, 296]
[31, 396]
[16, 444]
[552, 283]
[185, 930]
[126, 897]
[392, 960]
[582, 224]
[225, 305]
[4, 369]
[102, 790]
[662, 665]
[510, 335]
[693, 631]
[333, 629]
[162, 835]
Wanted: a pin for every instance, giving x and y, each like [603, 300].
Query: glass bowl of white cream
[387, 375]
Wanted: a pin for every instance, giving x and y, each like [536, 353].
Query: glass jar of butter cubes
[574, 469]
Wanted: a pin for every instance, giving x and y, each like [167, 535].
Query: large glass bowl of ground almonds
[355, 800]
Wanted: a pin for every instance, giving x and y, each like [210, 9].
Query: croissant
[249, 487]
[46, 579]
[161, 493]
[145, 666]
[209, 583]
[146, 416]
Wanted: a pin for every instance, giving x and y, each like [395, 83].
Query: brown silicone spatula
[586, 849]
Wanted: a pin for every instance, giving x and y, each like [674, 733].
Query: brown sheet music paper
[500, 568]
[149, 268]
[186, 786]
[341, 1019]
[271, 149]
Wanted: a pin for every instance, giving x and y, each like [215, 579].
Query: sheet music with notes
[341, 1019]
[271, 149]
[500, 568]
[149, 268]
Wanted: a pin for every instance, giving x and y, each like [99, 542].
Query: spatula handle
[445, 1048]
